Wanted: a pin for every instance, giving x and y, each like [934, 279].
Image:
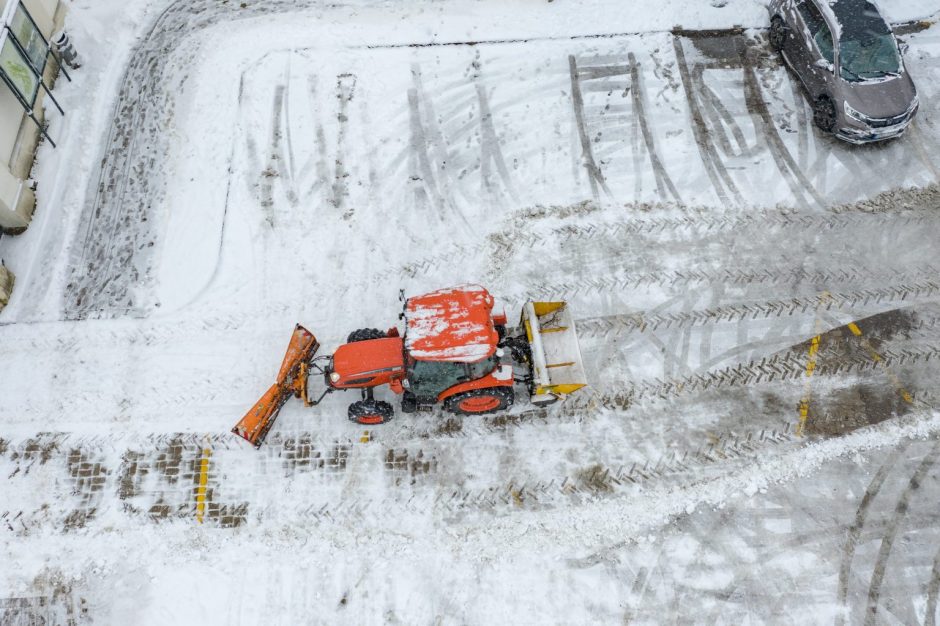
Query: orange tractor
[455, 351]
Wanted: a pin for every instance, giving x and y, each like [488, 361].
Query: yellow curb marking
[907, 397]
[804, 401]
[203, 481]
[811, 366]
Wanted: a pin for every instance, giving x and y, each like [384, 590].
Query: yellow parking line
[203, 481]
[811, 366]
[804, 401]
[877, 358]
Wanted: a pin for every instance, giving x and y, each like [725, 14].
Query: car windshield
[871, 58]
[867, 49]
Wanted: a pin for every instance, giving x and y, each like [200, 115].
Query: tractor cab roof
[451, 325]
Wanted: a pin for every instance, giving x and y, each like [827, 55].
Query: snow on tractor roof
[451, 325]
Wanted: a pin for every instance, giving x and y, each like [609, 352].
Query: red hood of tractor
[451, 325]
[372, 358]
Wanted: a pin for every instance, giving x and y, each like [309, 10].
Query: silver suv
[850, 64]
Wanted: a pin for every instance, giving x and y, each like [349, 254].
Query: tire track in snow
[714, 167]
[345, 92]
[491, 153]
[173, 459]
[861, 514]
[933, 592]
[720, 117]
[510, 239]
[615, 325]
[788, 168]
[595, 175]
[663, 181]
[274, 164]
[624, 281]
[887, 543]
[786, 367]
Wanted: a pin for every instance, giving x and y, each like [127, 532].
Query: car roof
[452, 325]
[856, 19]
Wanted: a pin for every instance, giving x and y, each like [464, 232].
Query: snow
[450, 325]
[305, 168]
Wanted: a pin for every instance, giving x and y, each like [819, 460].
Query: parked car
[852, 67]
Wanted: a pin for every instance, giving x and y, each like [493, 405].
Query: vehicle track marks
[614, 325]
[720, 117]
[595, 175]
[491, 153]
[933, 592]
[855, 530]
[345, 92]
[717, 173]
[887, 543]
[626, 229]
[787, 166]
[663, 181]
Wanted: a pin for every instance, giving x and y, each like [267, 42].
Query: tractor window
[482, 368]
[429, 378]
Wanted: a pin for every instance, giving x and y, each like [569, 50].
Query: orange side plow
[291, 380]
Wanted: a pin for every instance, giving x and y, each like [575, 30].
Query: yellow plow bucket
[557, 367]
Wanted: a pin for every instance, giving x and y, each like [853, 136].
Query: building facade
[19, 133]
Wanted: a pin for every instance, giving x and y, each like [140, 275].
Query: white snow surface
[272, 220]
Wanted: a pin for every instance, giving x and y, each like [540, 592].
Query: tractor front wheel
[480, 401]
[370, 412]
[365, 334]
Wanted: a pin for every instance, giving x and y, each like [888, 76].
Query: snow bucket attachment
[291, 381]
[557, 368]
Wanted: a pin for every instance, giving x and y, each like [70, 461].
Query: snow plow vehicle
[455, 352]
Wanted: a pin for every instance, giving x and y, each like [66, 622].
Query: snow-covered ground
[228, 169]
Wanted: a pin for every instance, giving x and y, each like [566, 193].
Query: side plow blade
[291, 380]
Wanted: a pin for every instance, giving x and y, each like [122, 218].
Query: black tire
[778, 33]
[365, 334]
[490, 400]
[824, 114]
[370, 412]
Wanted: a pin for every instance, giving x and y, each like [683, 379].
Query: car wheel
[824, 114]
[365, 334]
[370, 412]
[480, 401]
[778, 33]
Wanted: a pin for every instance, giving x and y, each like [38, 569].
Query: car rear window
[867, 47]
[859, 20]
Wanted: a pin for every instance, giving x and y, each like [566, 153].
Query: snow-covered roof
[451, 325]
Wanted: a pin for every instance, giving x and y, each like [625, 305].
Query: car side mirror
[823, 64]
[903, 48]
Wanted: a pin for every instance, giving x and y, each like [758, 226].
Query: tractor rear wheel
[480, 401]
[370, 412]
[365, 334]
